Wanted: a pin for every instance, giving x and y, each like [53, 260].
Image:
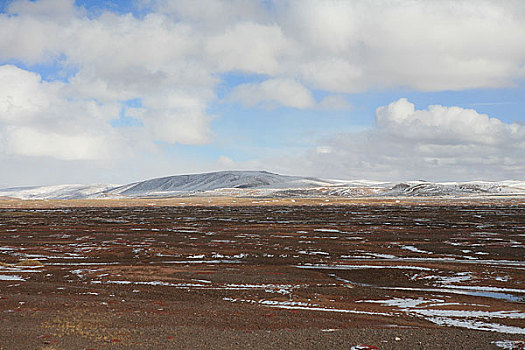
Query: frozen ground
[329, 276]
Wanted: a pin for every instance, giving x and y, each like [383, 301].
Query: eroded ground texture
[392, 276]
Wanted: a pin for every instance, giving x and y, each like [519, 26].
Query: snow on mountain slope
[173, 185]
[56, 192]
[423, 188]
[262, 183]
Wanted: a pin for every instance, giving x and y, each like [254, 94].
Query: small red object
[364, 347]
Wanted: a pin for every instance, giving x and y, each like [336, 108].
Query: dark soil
[260, 277]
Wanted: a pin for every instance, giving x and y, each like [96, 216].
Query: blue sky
[115, 91]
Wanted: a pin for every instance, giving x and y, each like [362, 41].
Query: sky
[393, 90]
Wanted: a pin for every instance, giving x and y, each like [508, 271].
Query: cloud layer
[172, 60]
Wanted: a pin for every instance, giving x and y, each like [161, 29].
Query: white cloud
[225, 162]
[190, 128]
[211, 14]
[31, 142]
[286, 92]
[426, 45]
[249, 47]
[29, 39]
[331, 45]
[40, 118]
[334, 102]
[445, 125]
[21, 95]
[273, 92]
[333, 74]
[178, 117]
[439, 143]
[50, 9]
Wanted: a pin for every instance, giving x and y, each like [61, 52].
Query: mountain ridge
[264, 183]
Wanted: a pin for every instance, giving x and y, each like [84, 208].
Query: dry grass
[25, 262]
[29, 262]
[97, 327]
[253, 201]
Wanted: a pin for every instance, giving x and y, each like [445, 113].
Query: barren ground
[262, 273]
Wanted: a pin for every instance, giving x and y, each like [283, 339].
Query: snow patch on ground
[11, 278]
[472, 319]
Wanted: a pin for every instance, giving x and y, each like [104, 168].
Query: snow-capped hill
[265, 184]
[423, 188]
[173, 185]
[56, 192]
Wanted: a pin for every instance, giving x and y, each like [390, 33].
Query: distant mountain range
[264, 184]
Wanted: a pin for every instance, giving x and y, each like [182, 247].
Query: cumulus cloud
[22, 94]
[39, 118]
[438, 143]
[446, 125]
